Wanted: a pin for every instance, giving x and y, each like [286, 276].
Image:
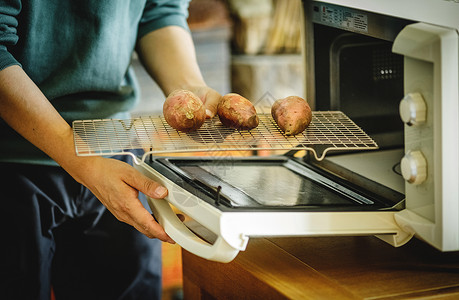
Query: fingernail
[161, 191]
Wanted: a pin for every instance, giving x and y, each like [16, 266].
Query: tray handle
[219, 251]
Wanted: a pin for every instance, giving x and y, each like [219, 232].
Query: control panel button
[414, 167]
[413, 109]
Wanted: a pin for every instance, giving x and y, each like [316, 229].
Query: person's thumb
[149, 187]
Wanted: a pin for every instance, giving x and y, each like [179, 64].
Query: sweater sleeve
[9, 10]
[162, 13]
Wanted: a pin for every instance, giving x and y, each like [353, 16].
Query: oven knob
[413, 109]
[414, 167]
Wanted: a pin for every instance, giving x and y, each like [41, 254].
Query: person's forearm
[168, 55]
[116, 184]
[24, 107]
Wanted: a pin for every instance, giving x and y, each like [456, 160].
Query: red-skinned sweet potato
[237, 112]
[292, 114]
[184, 111]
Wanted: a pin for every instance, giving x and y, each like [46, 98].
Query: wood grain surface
[325, 268]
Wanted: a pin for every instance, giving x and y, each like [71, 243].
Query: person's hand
[209, 97]
[117, 184]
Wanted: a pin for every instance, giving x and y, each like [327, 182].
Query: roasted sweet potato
[184, 111]
[292, 114]
[237, 112]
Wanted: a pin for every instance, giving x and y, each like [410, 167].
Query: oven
[381, 156]
[393, 69]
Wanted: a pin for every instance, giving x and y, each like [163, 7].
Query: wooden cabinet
[325, 268]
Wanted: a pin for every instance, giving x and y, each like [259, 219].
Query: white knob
[414, 167]
[413, 109]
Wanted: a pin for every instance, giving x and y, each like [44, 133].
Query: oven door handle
[219, 251]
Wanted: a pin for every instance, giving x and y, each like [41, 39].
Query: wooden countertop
[325, 268]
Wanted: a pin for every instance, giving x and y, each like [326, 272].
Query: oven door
[238, 198]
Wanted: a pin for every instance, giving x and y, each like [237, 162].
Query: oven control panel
[430, 111]
[417, 112]
[413, 112]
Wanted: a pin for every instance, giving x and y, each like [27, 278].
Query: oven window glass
[268, 185]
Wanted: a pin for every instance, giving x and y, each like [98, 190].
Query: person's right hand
[117, 185]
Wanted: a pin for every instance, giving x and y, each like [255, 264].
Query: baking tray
[328, 131]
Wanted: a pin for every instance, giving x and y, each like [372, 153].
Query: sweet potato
[292, 114]
[237, 112]
[184, 111]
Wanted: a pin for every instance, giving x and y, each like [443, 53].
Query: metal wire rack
[328, 131]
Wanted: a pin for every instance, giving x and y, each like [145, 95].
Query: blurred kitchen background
[249, 47]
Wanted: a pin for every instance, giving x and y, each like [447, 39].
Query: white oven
[404, 56]
[382, 152]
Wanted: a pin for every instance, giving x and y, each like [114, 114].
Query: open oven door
[238, 198]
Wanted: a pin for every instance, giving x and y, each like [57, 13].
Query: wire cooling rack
[328, 131]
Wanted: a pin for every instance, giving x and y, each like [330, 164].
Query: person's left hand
[209, 97]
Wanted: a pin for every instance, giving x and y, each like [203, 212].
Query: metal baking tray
[328, 131]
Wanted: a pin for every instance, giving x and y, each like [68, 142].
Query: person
[75, 226]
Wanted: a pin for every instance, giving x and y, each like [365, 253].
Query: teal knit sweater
[78, 53]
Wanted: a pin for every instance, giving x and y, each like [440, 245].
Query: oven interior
[360, 76]
[351, 68]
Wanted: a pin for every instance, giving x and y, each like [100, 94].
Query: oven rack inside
[328, 131]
